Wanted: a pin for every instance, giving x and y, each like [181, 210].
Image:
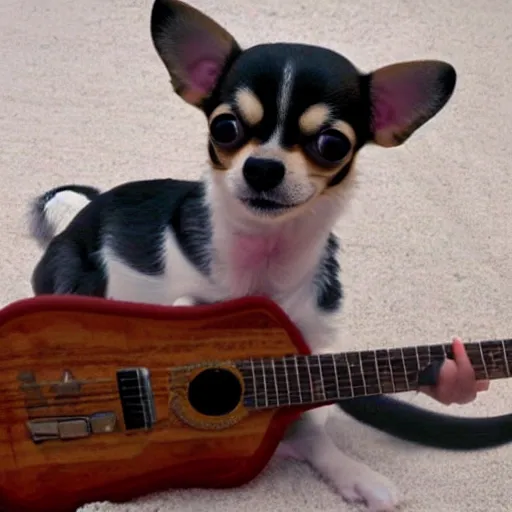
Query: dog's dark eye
[329, 148]
[226, 131]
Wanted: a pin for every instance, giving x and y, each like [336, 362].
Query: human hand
[456, 383]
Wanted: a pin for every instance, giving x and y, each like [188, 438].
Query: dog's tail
[428, 428]
[50, 213]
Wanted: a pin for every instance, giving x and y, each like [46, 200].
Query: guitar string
[302, 363]
[305, 395]
[370, 357]
[353, 370]
[341, 387]
[329, 374]
[305, 388]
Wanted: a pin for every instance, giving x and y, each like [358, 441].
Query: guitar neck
[317, 379]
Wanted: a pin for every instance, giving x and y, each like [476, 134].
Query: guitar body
[66, 437]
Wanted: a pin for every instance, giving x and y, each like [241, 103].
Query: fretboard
[314, 379]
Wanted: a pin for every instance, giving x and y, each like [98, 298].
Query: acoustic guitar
[107, 400]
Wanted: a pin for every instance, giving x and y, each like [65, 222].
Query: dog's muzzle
[262, 177]
[262, 174]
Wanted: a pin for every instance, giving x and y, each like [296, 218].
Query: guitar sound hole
[214, 392]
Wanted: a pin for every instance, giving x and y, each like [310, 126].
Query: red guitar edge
[190, 472]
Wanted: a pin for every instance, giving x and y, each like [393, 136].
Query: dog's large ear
[405, 96]
[193, 47]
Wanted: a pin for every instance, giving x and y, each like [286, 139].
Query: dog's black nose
[263, 174]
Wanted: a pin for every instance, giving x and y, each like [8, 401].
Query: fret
[423, 356]
[356, 375]
[406, 378]
[438, 352]
[349, 373]
[345, 388]
[255, 383]
[264, 379]
[507, 364]
[336, 377]
[249, 383]
[412, 366]
[317, 384]
[397, 370]
[280, 386]
[304, 380]
[322, 383]
[390, 366]
[418, 359]
[377, 371]
[299, 387]
[385, 372]
[310, 379]
[274, 378]
[495, 359]
[290, 364]
[483, 361]
[362, 373]
[370, 373]
[282, 364]
[271, 398]
[329, 375]
[476, 356]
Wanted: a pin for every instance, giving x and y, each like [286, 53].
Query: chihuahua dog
[286, 123]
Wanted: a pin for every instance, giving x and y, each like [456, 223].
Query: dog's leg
[308, 440]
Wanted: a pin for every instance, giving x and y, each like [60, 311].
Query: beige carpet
[426, 246]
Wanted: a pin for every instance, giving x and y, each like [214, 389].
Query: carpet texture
[426, 244]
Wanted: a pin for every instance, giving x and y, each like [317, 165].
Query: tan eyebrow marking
[313, 118]
[250, 106]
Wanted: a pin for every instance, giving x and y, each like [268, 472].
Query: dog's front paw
[358, 483]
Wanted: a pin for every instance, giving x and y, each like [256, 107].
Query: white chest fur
[279, 262]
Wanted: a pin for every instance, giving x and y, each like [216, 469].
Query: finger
[482, 385]
[445, 391]
[461, 357]
[465, 397]
[466, 378]
[465, 385]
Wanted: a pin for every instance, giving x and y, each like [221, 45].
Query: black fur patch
[70, 265]
[327, 280]
[131, 219]
[193, 231]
